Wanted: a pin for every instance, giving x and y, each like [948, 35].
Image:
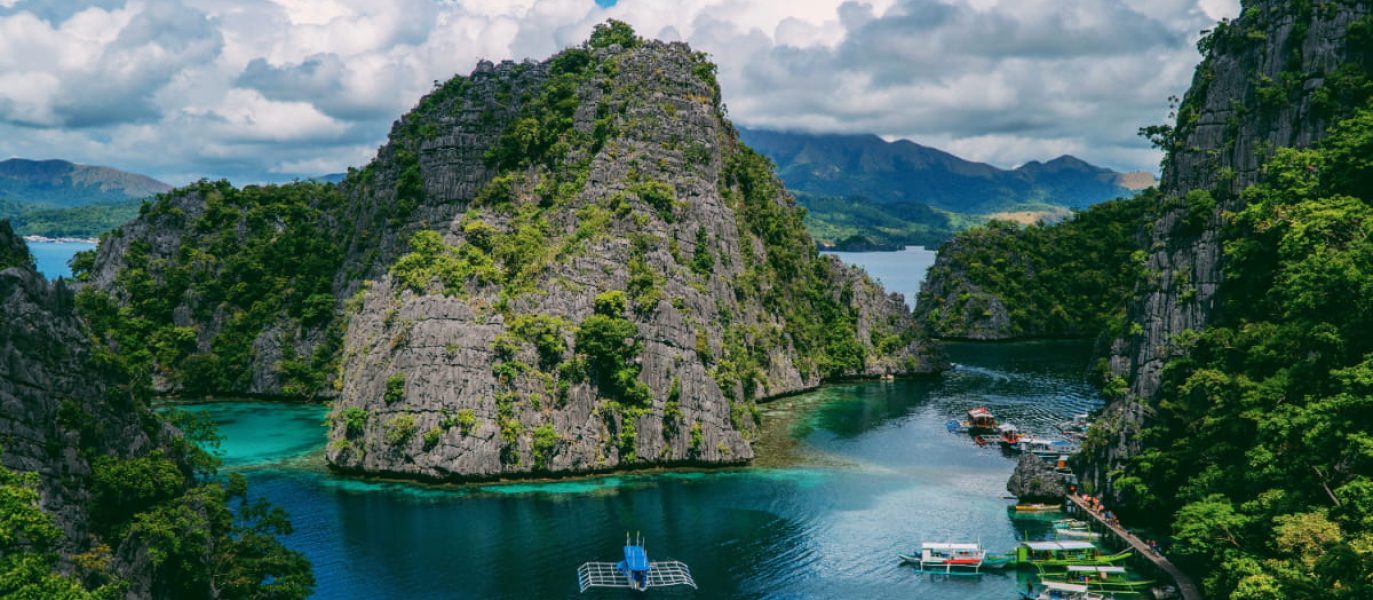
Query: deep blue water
[900, 271]
[877, 474]
[52, 257]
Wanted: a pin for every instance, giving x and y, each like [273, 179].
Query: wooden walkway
[1186, 586]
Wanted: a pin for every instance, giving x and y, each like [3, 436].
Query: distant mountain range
[886, 181]
[58, 183]
[57, 198]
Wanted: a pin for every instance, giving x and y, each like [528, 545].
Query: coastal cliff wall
[1276, 77]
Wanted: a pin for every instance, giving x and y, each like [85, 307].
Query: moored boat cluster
[1054, 448]
[1066, 560]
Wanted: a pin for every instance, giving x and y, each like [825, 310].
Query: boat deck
[1186, 585]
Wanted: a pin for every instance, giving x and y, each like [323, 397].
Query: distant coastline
[38, 239]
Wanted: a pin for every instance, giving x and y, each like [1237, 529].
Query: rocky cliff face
[564, 266]
[56, 409]
[490, 373]
[1275, 77]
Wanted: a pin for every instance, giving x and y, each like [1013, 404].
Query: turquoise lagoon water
[879, 475]
[52, 257]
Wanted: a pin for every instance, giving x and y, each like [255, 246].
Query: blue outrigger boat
[635, 572]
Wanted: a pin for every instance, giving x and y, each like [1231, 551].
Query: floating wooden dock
[1186, 586]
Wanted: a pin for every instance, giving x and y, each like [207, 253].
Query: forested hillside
[1005, 280]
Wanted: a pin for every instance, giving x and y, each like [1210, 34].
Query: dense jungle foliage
[258, 256]
[1262, 448]
[1070, 278]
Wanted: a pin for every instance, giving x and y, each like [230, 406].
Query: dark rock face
[1225, 133]
[49, 386]
[1035, 481]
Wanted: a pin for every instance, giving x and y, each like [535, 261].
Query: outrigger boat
[1038, 508]
[1099, 578]
[998, 561]
[1009, 435]
[1076, 428]
[635, 572]
[1077, 533]
[1057, 554]
[1062, 591]
[947, 557]
[978, 421]
[1046, 448]
[981, 420]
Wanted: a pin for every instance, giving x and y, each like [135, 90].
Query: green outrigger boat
[1099, 578]
[1065, 554]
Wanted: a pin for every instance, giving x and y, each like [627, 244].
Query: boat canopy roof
[1065, 587]
[1059, 545]
[1007, 427]
[946, 546]
[1095, 569]
[980, 411]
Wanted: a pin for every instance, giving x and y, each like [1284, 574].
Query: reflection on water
[886, 476]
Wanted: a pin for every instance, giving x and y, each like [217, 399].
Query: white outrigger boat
[947, 557]
[1054, 590]
[1077, 533]
[1046, 448]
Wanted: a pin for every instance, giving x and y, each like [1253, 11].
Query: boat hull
[1064, 563]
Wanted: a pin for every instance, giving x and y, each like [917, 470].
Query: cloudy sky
[270, 90]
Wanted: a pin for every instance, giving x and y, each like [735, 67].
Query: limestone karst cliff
[1278, 76]
[551, 267]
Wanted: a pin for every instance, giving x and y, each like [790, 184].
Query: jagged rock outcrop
[1275, 77]
[554, 267]
[1035, 481]
[450, 383]
[56, 409]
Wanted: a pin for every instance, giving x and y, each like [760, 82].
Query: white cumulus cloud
[260, 90]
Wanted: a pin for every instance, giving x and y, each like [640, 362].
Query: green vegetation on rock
[28, 547]
[258, 259]
[13, 253]
[1005, 280]
[1262, 449]
[611, 346]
